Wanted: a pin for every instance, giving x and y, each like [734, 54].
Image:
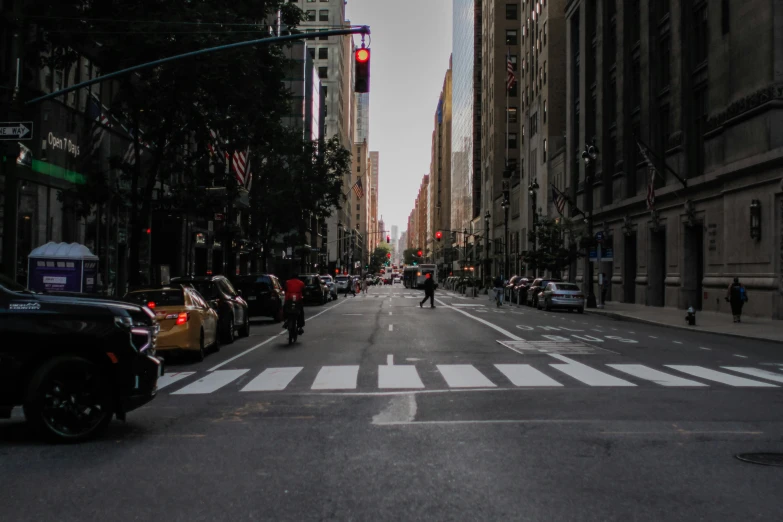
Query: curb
[623, 317]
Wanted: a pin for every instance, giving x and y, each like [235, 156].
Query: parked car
[74, 363]
[536, 288]
[315, 291]
[562, 295]
[397, 281]
[263, 292]
[221, 295]
[342, 283]
[329, 282]
[187, 322]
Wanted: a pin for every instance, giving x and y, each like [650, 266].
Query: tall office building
[375, 229]
[676, 93]
[362, 127]
[440, 174]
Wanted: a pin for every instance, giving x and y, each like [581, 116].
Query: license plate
[251, 298]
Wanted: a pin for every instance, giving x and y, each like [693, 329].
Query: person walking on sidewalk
[499, 290]
[737, 297]
[429, 292]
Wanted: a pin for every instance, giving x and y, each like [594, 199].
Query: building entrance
[694, 266]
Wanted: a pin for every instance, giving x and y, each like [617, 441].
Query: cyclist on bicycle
[294, 287]
[498, 284]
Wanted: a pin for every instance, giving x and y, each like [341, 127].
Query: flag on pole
[511, 78]
[357, 188]
[559, 199]
[651, 183]
[130, 154]
[239, 163]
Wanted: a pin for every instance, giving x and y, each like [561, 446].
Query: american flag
[651, 170]
[512, 78]
[99, 125]
[559, 199]
[357, 188]
[238, 160]
[130, 154]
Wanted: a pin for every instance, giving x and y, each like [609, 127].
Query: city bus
[421, 274]
[409, 276]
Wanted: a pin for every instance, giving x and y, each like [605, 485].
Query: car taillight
[558, 295]
[182, 318]
[579, 296]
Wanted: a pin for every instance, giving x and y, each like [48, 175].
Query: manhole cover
[765, 459]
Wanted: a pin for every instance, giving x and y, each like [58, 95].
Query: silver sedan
[562, 295]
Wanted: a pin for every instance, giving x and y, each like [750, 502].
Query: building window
[725, 16]
[664, 57]
[513, 91]
[511, 11]
[512, 115]
[699, 127]
[513, 59]
[323, 53]
[310, 15]
[323, 72]
[512, 140]
[544, 72]
[358, 206]
[543, 159]
[635, 20]
[544, 111]
[511, 37]
[358, 217]
[700, 34]
[534, 124]
[323, 15]
[358, 169]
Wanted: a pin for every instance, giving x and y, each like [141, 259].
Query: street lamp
[487, 261]
[505, 206]
[532, 189]
[589, 156]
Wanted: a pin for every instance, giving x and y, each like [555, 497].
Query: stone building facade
[697, 87]
[440, 175]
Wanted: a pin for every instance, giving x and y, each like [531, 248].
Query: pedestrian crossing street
[568, 374]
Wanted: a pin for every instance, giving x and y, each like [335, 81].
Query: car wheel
[200, 354]
[228, 331]
[538, 303]
[548, 306]
[245, 330]
[69, 399]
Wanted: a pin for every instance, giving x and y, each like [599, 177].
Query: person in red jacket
[295, 287]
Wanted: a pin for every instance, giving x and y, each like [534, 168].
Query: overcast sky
[411, 45]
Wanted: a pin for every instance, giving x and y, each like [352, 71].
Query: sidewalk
[757, 328]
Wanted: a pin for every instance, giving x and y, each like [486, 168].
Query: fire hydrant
[691, 317]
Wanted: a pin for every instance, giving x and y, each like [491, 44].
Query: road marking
[273, 379]
[390, 313]
[703, 348]
[171, 378]
[464, 376]
[467, 304]
[211, 382]
[664, 379]
[755, 372]
[586, 374]
[259, 345]
[525, 375]
[677, 342]
[741, 356]
[391, 327]
[398, 377]
[390, 360]
[336, 378]
[651, 337]
[496, 328]
[724, 378]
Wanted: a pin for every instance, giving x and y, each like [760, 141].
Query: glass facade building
[462, 116]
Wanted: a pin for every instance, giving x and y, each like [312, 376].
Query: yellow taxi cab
[187, 323]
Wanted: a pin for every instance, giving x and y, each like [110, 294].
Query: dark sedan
[232, 309]
[263, 292]
[315, 290]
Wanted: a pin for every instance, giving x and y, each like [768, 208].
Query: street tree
[409, 255]
[379, 257]
[555, 248]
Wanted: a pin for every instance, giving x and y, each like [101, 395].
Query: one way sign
[16, 130]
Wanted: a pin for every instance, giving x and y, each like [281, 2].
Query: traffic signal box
[362, 70]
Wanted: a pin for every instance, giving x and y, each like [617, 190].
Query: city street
[386, 411]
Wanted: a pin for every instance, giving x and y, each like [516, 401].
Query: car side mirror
[239, 293]
[213, 304]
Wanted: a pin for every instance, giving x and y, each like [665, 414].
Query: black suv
[221, 295]
[263, 292]
[73, 362]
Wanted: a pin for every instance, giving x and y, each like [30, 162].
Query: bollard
[691, 317]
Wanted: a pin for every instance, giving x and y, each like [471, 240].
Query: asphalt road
[385, 411]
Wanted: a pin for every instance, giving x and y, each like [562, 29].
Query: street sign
[607, 254]
[16, 130]
[599, 236]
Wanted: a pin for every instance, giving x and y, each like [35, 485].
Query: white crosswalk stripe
[724, 378]
[273, 379]
[658, 377]
[211, 382]
[461, 376]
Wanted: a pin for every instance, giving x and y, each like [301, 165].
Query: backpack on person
[743, 295]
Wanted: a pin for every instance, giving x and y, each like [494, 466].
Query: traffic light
[388, 255]
[388, 239]
[438, 235]
[419, 253]
[362, 61]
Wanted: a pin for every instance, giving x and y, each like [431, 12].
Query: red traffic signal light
[388, 255]
[419, 253]
[362, 73]
[438, 235]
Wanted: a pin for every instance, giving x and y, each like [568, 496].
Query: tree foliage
[379, 258]
[555, 249]
[239, 94]
[409, 255]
